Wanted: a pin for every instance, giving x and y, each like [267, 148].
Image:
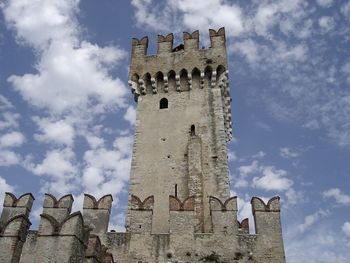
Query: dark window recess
[175, 190]
[193, 130]
[163, 104]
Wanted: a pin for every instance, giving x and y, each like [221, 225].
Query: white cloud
[194, 15]
[38, 22]
[8, 158]
[124, 144]
[60, 170]
[70, 79]
[74, 88]
[94, 141]
[12, 139]
[246, 170]
[130, 115]
[263, 125]
[326, 23]
[5, 103]
[340, 197]
[346, 228]
[345, 9]
[288, 153]
[145, 15]
[232, 156]
[265, 18]
[4, 187]
[57, 163]
[312, 219]
[325, 3]
[245, 211]
[107, 170]
[249, 49]
[60, 132]
[210, 13]
[321, 244]
[259, 154]
[312, 125]
[346, 68]
[117, 223]
[72, 74]
[295, 197]
[267, 178]
[9, 120]
[272, 180]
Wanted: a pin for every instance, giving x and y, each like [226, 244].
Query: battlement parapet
[65, 201]
[96, 213]
[14, 220]
[146, 204]
[243, 226]
[25, 200]
[175, 204]
[56, 215]
[105, 202]
[217, 205]
[60, 208]
[190, 43]
[83, 232]
[273, 205]
[72, 225]
[185, 57]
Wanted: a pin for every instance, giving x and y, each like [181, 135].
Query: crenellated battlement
[184, 60]
[62, 236]
[190, 44]
[175, 204]
[273, 205]
[228, 205]
[219, 209]
[87, 231]
[146, 204]
[105, 202]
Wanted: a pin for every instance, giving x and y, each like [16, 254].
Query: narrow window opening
[175, 190]
[163, 104]
[193, 130]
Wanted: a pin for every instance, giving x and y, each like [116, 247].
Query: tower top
[185, 61]
[184, 56]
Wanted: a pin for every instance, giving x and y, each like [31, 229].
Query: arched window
[193, 130]
[163, 104]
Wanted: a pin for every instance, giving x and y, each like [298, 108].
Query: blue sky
[66, 113]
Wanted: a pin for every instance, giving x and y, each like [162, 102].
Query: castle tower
[182, 127]
[179, 207]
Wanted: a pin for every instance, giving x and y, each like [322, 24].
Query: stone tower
[179, 206]
[183, 124]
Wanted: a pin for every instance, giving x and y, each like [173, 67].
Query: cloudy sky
[66, 113]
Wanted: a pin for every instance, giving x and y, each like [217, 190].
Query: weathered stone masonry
[179, 207]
